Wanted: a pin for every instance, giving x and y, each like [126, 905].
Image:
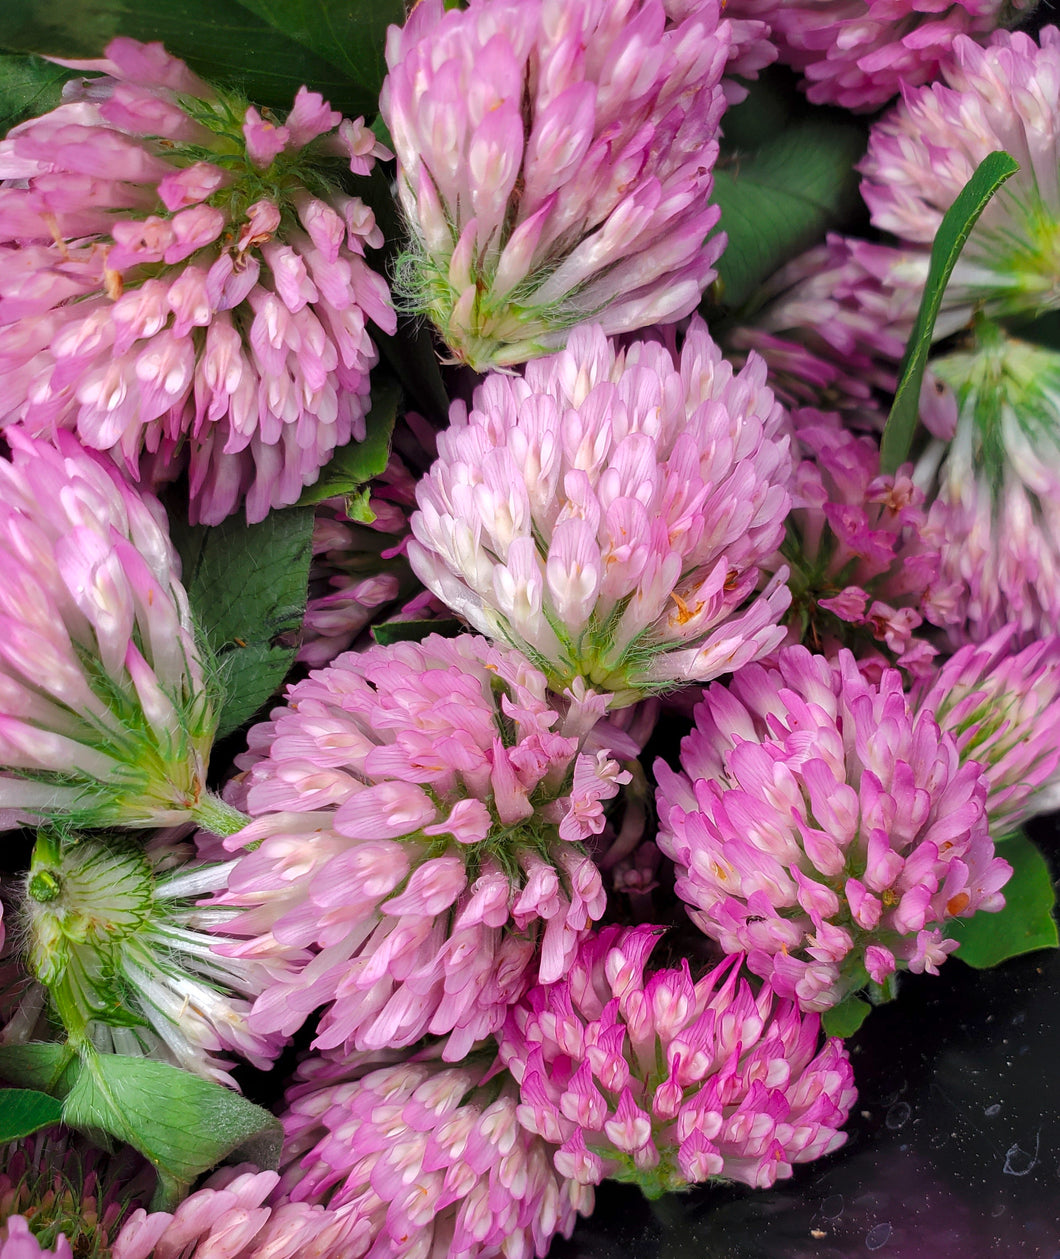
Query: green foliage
[358, 462]
[845, 1018]
[954, 230]
[247, 585]
[25, 1111]
[197, 1124]
[781, 197]
[415, 631]
[1025, 924]
[51, 1068]
[248, 45]
[350, 34]
[28, 86]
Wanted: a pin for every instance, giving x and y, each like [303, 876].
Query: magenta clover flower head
[554, 164]
[923, 152]
[183, 284]
[861, 53]
[429, 1159]
[116, 935]
[864, 551]
[1003, 708]
[665, 1082]
[609, 512]
[997, 485]
[106, 714]
[826, 828]
[420, 810]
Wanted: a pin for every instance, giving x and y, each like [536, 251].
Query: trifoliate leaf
[782, 197]
[51, 1068]
[350, 35]
[220, 39]
[29, 86]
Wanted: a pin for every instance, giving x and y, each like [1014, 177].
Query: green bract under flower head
[114, 933]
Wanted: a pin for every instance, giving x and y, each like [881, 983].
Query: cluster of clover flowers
[440, 857]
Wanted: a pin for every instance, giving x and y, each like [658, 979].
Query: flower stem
[212, 814]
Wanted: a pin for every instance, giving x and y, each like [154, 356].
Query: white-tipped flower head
[104, 712]
[115, 934]
[183, 283]
[554, 164]
[1003, 709]
[608, 514]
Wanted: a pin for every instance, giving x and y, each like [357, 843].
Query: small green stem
[212, 814]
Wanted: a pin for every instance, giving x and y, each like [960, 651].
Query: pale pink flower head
[864, 552]
[861, 53]
[60, 1199]
[825, 828]
[554, 164]
[428, 1158]
[236, 1215]
[105, 713]
[666, 1082]
[119, 937]
[609, 512]
[420, 810]
[923, 152]
[182, 283]
[997, 486]
[1002, 707]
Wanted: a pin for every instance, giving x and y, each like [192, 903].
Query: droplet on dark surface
[878, 1236]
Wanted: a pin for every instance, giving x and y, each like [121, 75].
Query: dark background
[954, 1146]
